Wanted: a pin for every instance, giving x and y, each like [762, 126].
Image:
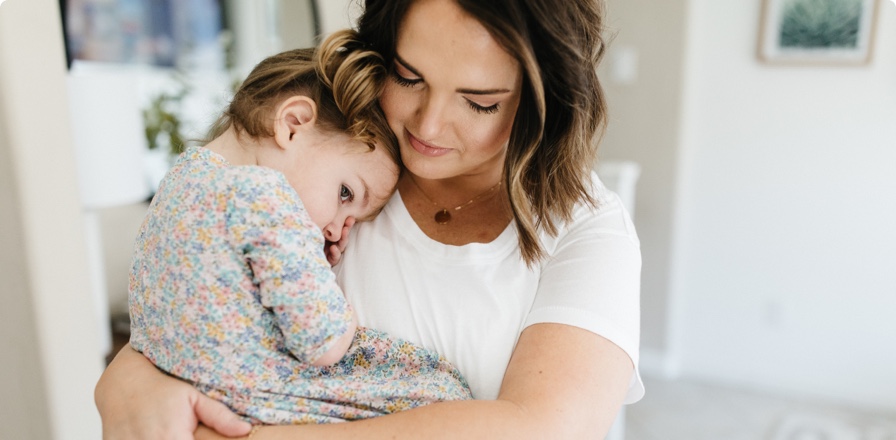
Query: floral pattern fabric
[230, 290]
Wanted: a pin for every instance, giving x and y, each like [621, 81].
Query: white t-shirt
[470, 303]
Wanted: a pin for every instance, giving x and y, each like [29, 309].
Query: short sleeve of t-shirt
[592, 279]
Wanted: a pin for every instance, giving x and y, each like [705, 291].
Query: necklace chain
[443, 215]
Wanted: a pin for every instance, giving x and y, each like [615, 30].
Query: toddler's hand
[334, 250]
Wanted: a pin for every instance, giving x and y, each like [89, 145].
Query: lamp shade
[108, 135]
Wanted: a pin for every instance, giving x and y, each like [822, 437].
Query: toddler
[230, 289]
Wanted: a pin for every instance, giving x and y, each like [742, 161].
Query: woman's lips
[426, 149]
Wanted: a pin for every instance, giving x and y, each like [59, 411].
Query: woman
[500, 250]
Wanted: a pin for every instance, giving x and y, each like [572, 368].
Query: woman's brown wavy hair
[342, 77]
[562, 113]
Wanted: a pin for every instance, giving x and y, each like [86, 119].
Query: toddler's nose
[332, 232]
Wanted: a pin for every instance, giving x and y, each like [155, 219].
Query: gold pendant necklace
[443, 215]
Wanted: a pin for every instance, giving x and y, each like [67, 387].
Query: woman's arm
[137, 401]
[561, 382]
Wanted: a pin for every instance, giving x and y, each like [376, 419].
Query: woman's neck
[459, 211]
[455, 190]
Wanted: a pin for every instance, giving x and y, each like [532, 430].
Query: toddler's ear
[294, 116]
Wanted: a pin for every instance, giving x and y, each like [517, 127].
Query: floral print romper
[230, 291]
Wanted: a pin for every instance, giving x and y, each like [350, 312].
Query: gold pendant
[443, 216]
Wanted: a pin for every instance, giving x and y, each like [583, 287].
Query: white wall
[337, 14]
[645, 120]
[49, 344]
[785, 258]
[21, 375]
[255, 25]
[264, 27]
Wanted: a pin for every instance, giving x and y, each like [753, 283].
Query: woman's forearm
[127, 366]
[493, 419]
[121, 396]
[547, 393]
[473, 419]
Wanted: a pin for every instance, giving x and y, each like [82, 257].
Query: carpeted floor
[683, 410]
[807, 425]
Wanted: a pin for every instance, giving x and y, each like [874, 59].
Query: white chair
[620, 177]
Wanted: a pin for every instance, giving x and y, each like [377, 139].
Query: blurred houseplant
[171, 117]
[162, 119]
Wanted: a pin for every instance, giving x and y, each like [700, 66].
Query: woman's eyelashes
[483, 109]
[478, 108]
[345, 194]
[405, 82]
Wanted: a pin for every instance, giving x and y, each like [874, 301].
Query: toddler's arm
[284, 249]
[341, 346]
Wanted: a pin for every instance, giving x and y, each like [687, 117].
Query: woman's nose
[431, 116]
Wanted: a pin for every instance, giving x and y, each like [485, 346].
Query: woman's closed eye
[405, 82]
[411, 82]
[479, 108]
[345, 194]
[407, 76]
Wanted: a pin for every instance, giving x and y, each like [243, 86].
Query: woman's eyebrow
[465, 91]
[406, 65]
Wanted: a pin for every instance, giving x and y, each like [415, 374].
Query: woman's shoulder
[607, 215]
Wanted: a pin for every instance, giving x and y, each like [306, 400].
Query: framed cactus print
[817, 31]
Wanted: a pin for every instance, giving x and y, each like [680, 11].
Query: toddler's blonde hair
[342, 77]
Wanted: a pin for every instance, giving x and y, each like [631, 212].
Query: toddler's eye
[345, 194]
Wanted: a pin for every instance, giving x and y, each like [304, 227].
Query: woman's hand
[205, 433]
[137, 401]
[334, 250]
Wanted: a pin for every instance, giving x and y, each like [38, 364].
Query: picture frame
[833, 32]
